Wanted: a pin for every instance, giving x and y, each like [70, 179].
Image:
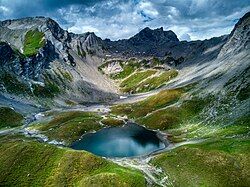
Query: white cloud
[117, 19]
[5, 11]
[121, 25]
[185, 36]
[148, 8]
[82, 29]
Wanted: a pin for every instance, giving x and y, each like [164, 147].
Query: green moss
[34, 40]
[239, 128]
[89, 170]
[128, 68]
[214, 163]
[29, 163]
[117, 177]
[157, 81]
[9, 118]
[162, 119]
[130, 84]
[192, 126]
[112, 122]
[69, 126]
[26, 163]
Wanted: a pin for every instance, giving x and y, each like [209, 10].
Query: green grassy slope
[165, 110]
[157, 81]
[128, 68]
[34, 40]
[223, 162]
[9, 118]
[13, 84]
[130, 83]
[28, 163]
[222, 159]
[69, 126]
[135, 76]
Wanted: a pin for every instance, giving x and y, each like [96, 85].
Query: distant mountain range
[40, 59]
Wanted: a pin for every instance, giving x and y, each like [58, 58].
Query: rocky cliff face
[146, 42]
[239, 38]
[226, 68]
[164, 43]
[50, 62]
[14, 31]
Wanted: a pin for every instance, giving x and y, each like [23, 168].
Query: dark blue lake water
[126, 141]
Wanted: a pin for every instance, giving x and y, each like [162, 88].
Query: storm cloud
[117, 19]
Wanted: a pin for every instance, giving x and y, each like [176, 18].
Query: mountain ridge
[80, 55]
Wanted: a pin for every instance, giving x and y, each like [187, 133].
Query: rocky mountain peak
[24, 23]
[239, 38]
[92, 39]
[43, 24]
[155, 35]
[146, 42]
[245, 20]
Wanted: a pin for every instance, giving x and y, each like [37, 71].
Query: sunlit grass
[130, 84]
[34, 40]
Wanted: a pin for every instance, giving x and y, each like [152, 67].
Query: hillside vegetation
[25, 162]
[34, 40]
[10, 118]
[137, 76]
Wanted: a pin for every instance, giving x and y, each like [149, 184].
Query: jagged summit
[61, 40]
[239, 38]
[155, 35]
[38, 52]
[73, 51]
[244, 20]
[28, 22]
[147, 42]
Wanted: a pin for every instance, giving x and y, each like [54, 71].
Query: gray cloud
[116, 19]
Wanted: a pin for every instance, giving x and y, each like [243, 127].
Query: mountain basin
[129, 140]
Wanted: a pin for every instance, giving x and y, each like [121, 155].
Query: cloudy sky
[117, 19]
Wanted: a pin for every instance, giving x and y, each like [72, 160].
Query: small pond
[125, 141]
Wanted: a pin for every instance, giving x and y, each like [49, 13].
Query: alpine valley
[151, 110]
